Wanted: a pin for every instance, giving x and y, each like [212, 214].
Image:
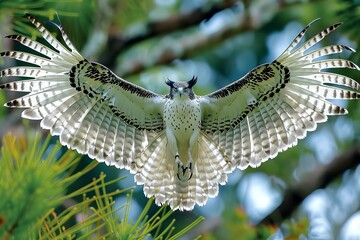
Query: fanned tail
[157, 171]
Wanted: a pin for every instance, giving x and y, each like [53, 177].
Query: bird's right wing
[275, 104]
[84, 103]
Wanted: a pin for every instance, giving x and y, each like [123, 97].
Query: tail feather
[100, 114]
[157, 171]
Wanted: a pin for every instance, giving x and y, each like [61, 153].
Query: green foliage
[33, 184]
[68, 10]
[350, 12]
[296, 229]
[29, 184]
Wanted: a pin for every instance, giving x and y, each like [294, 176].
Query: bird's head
[180, 89]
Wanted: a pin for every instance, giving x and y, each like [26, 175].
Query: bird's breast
[182, 117]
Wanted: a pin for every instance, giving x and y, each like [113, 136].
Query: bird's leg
[185, 173]
[192, 142]
[172, 144]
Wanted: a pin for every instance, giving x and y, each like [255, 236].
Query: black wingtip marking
[336, 25]
[7, 54]
[29, 16]
[13, 36]
[13, 103]
[354, 66]
[348, 48]
[9, 104]
[339, 24]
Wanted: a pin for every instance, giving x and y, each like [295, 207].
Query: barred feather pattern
[114, 121]
[276, 109]
[158, 174]
[89, 124]
[111, 120]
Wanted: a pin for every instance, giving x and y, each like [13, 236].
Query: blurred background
[311, 191]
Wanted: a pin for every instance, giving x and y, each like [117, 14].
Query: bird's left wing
[88, 106]
[275, 104]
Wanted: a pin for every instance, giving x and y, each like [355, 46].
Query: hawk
[179, 146]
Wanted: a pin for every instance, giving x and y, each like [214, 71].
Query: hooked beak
[181, 91]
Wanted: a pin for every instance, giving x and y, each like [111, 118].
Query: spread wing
[275, 104]
[88, 106]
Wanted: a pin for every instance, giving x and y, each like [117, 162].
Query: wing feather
[324, 51]
[311, 42]
[246, 142]
[90, 108]
[36, 46]
[27, 57]
[80, 120]
[298, 38]
[102, 139]
[114, 121]
[257, 146]
[263, 134]
[275, 104]
[70, 108]
[71, 57]
[278, 124]
[93, 130]
[270, 130]
[47, 106]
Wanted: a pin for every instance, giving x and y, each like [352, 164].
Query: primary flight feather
[180, 146]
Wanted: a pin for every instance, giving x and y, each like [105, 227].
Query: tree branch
[319, 178]
[117, 44]
[184, 47]
[189, 44]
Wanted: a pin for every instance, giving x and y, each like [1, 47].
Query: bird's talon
[184, 172]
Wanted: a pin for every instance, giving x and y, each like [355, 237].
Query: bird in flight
[179, 146]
